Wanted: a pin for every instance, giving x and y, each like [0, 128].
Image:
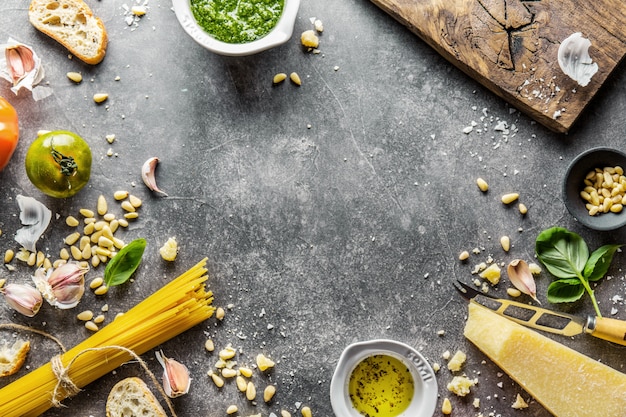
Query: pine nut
[85, 315]
[242, 384]
[126, 205]
[250, 391]
[285, 413]
[209, 345]
[99, 319]
[134, 201]
[232, 409]
[279, 78]
[295, 78]
[463, 256]
[247, 372]
[8, 256]
[101, 290]
[100, 97]
[76, 253]
[509, 198]
[86, 212]
[219, 382]
[505, 242]
[90, 325]
[71, 221]
[482, 185]
[268, 393]
[306, 412]
[74, 76]
[131, 216]
[522, 208]
[109, 217]
[229, 373]
[513, 292]
[72, 238]
[120, 195]
[220, 313]
[89, 228]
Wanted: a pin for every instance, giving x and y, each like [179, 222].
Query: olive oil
[381, 386]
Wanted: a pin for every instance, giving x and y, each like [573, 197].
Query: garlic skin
[574, 59]
[35, 217]
[176, 379]
[22, 298]
[147, 175]
[62, 288]
[21, 66]
[521, 277]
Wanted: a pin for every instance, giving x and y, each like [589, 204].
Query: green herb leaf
[563, 253]
[599, 262]
[565, 291]
[125, 263]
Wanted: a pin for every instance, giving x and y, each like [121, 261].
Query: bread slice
[131, 397]
[12, 357]
[73, 25]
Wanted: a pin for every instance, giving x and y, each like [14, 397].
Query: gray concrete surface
[331, 213]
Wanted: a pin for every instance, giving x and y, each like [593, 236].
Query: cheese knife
[547, 320]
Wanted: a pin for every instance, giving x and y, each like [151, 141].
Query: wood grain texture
[510, 46]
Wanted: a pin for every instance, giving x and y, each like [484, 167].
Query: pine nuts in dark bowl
[592, 179]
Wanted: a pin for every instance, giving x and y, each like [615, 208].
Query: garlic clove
[574, 60]
[22, 298]
[63, 287]
[521, 277]
[147, 175]
[35, 217]
[20, 61]
[20, 65]
[176, 379]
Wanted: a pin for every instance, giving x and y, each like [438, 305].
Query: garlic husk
[22, 298]
[176, 379]
[574, 60]
[35, 217]
[21, 66]
[147, 175]
[521, 277]
[63, 287]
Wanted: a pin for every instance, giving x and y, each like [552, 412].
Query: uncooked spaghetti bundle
[173, 309]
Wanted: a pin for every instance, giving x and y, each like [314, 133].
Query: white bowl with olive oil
[238, 31]
[383, 378]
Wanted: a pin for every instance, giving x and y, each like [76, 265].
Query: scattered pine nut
[482, 185]
[134, 201]
[120, 195]
[279, 78]
[72, 238]
[87, 213]
[220, 313]
[285, 413]
[446, 407]
[8, 256]
[509, 198]
[463, 256]
[127, 206]
[85, 315]
[99, 319]
[219, 382]
[102, 205]
[513, 292]
[75, 76]
[101, 290]
[131, 216]
[71, 221]
[522, 208]
[505, 242]
[229, 373]
[250, 391]
[268, 393]
[209, 345]
[232, 409]
[247, 372]
[242, 384]
[100, 97]
[90, 325]
[306, 412]
[295, 78]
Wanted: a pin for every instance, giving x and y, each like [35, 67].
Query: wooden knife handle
[608, 329]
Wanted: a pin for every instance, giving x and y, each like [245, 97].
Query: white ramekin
[277, 36]
[425, 396]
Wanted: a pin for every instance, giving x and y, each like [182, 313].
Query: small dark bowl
[573, 184]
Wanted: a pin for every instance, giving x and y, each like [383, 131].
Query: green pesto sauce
[381, 386]
[237, 21]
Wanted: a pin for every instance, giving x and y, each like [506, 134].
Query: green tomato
[59, 163]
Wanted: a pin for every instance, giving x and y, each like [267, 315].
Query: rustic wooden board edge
[568, 102]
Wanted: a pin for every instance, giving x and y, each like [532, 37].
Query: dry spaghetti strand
[173, 309]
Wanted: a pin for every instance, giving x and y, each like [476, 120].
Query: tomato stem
[67, 163]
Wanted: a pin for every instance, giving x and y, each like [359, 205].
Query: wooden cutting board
[510, 46]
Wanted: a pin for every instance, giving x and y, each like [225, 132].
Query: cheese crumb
[492, 274]
[460, 385]
[519, 403]
[457, 361]
[309, 39]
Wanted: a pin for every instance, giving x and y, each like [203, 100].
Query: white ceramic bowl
[277, 36]
[425, 396]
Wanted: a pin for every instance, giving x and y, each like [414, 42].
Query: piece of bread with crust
[73, 25]
[12, 356]
[131, 397]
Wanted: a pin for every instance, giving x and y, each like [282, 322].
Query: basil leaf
[598, 263]
[563, 253]
[123, 265]
[565, 291]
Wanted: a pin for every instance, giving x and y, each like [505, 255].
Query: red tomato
[9, 132]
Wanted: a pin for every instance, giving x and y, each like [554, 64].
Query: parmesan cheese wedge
[566, 382]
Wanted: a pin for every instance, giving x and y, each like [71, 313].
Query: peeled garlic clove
[521, 278]
[147, 174]
[176, 379]
[22, 298]
[574, 59]
[35, 217]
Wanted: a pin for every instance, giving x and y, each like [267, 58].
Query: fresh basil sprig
[122, 266]
[566, 256]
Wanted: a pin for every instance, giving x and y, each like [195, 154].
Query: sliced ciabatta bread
[72, 24]
[12, 356]
[131, 397]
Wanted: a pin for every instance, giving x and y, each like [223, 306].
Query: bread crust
[132, 395]
[73, 25]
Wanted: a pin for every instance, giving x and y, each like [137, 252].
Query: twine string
[65, 387]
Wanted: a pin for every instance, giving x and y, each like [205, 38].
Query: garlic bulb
[35, 217]
[574, 59]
